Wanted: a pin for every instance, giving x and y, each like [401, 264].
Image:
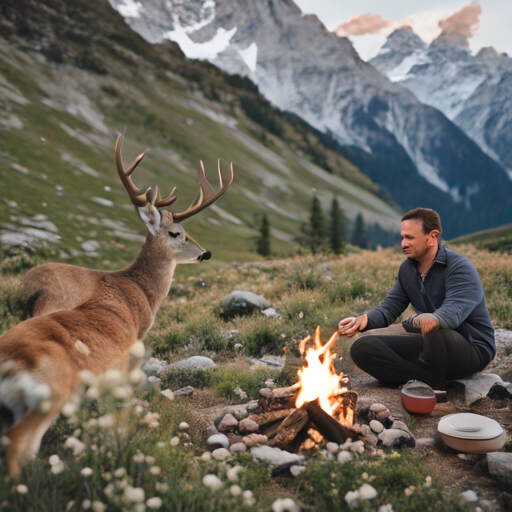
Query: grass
[306, 292]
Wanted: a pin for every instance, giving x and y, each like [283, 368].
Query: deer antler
[137, 196]
[206, 194]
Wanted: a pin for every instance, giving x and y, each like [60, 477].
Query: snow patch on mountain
[130, 9]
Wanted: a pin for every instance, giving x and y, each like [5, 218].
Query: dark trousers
[434, 358]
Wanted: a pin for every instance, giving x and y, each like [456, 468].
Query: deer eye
[174, 235]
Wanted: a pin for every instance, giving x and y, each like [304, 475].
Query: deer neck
[152, 270]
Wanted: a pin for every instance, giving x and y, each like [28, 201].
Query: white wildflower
[175, 441]
[150, 459]
[248, 498]
[161, 444]
[54, 459]
[70, 505]
[86, 472]
[155, 470]
[207, 456]
[409, 490]
[121, 392]
[162, 487]
[367, 492]
[74, 444]
[107, 476]
[155, 502]
[98, 506]
[235, 490]
[106, 421]
[136, 376]
[57, 468]
[139, 458]
[351, 498]
[93, 393]
[213, 482]
[21, 489]
[86, 504]
[301, 315]
[134, 494]
[88, 378]
[111, 378]
[138, 349]
[109, 490]
[428, 481]
[69, 409]
[386, 508]
[285, 505]
[120, 472]
[232, 473]
[139, 507]
[184, 426]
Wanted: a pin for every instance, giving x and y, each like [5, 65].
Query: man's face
[415, 243]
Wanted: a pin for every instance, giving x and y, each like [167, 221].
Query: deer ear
[151, 217]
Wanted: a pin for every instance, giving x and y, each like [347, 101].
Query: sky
[494, 27]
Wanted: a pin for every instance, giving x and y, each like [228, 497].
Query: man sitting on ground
[450, 337]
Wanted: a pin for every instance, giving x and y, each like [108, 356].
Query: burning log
[290, 427]
[270, 417]
[330, 428]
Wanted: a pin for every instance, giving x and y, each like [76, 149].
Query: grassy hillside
[72, 75]
[497, 239]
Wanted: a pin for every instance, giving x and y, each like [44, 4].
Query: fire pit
[317, 412]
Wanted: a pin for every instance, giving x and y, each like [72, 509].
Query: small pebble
[184, 426]
[469, 496]
[220, 454]
[238, 448]
[344, 457]
[297, 470]
[332, 447]
[376, 426]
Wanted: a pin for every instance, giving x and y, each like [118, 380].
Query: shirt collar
[441, 256]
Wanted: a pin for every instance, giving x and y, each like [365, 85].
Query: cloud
[462, 25]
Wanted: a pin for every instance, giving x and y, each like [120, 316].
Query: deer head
[164, 225]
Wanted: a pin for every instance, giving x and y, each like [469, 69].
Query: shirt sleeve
[464, 292]
[389, 309]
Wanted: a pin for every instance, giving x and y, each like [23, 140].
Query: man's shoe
[440, 396]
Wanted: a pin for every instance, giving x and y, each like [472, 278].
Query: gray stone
[266, 393]
[500, 391]
[270, 312]
[241, 303]
[211, 430]
[370, 439]
[275, 456]
[192, 364]
[397, 438]
[500, 465]
[228, 423]
[378, 412]
[465, 392]
[253, 439]
[425, 442]
[376, 426]
[400, 425]
[356, 446]
[502, 363]
[154, 365]
[332, 447]
[238, 448]
[247, 426]
[221, 454]
[234, 438]
[189, 390]
[218, 440]
[297, 470]
[253, 407]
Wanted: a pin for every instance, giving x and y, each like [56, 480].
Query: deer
[86, 320]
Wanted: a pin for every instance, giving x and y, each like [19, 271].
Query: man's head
[420, 232]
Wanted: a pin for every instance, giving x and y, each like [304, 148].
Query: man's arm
[389, 309]
[463, 292]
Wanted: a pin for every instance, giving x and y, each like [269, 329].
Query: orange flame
[319, 381]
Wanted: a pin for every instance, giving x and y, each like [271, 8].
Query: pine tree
[316, 226]
[338, 227]
[263, 242]
[359, 233]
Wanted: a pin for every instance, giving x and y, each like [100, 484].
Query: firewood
[327, 425]
[290, 427]
[315, 435]
[286, 392]
[270, 417]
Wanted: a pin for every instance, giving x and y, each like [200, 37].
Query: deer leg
[26, 434]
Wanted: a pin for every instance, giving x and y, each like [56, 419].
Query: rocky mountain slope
[474, 91]
[72, 74]
[412, 150]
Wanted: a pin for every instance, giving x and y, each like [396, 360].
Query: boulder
[500, 465]
[465, 392]
[189, 390]
[276, 456]
[242, 303]
[378, 412]
[397, 438]
[500, 391]
[502, 363]
[191, 364]
[217, 441]
[247, 426]
[228, 423]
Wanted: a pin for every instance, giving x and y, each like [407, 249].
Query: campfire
[317, 409]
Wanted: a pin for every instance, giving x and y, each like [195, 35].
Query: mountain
[72, 74]
[473, 91]
[413, 151]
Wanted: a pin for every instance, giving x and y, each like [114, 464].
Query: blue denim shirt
[454, 290]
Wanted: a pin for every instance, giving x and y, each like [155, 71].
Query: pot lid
[469, 426]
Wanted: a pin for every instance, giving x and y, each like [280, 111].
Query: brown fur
[106, 311]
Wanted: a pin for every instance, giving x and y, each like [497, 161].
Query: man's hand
[349, 326]
[426, 322]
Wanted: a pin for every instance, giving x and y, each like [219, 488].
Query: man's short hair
[429, 219]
